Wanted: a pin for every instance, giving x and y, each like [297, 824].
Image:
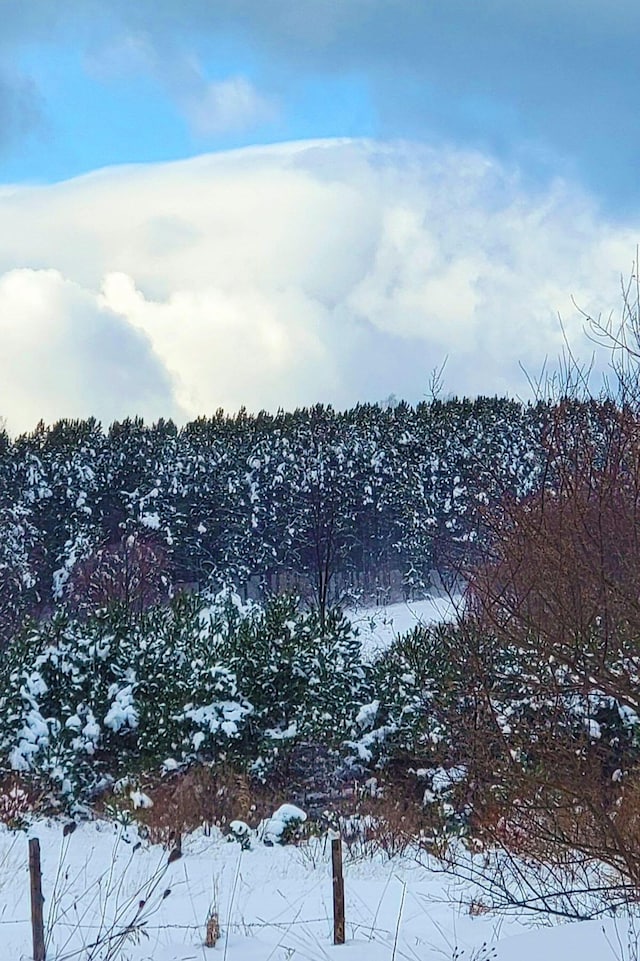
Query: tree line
[324, 501]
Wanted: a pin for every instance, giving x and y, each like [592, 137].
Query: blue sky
[549, 85]
[440, 161]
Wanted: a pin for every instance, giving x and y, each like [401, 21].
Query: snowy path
[378, 626]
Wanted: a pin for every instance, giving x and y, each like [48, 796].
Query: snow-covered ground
[273, 903]
[378, 626]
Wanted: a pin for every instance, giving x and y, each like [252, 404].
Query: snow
[140, 800]
[379, 626]
[33, 735]
[240, 828]
[221, 715]
[122, 713]
[273, 829]
[151, 519]
[366, 716]
[272, 903]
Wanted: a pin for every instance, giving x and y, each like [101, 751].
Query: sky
[271, 203]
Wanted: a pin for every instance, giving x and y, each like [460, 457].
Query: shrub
[305, 684]
[85, 701]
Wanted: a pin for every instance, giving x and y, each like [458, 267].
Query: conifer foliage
[325, 503]
[86, 700]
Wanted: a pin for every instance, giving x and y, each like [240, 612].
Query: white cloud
[126, 53]
[64, 356]
[331, 271]
[227, 105]
[249, 346]
[210, 107]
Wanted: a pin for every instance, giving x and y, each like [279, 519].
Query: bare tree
[132, 572]
[551, 644]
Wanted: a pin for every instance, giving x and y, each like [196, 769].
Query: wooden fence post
[338, 891]
[37, 901]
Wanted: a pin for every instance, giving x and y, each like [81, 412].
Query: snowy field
[378, 626]
[273, 904]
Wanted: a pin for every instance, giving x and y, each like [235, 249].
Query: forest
[362, 504]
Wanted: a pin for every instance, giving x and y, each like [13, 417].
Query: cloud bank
[332, 271]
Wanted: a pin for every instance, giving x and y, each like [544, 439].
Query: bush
[502, 745]
[85, 701]
[305, 684]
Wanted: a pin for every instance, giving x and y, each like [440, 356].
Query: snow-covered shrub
[85, 700]
[241, 832]
[491, 739]
[416, 693]
[304, 683]
[416, 729]
[283, 826]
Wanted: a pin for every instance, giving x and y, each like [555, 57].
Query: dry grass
[201, 797]
[20, 798]
[213, 931]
